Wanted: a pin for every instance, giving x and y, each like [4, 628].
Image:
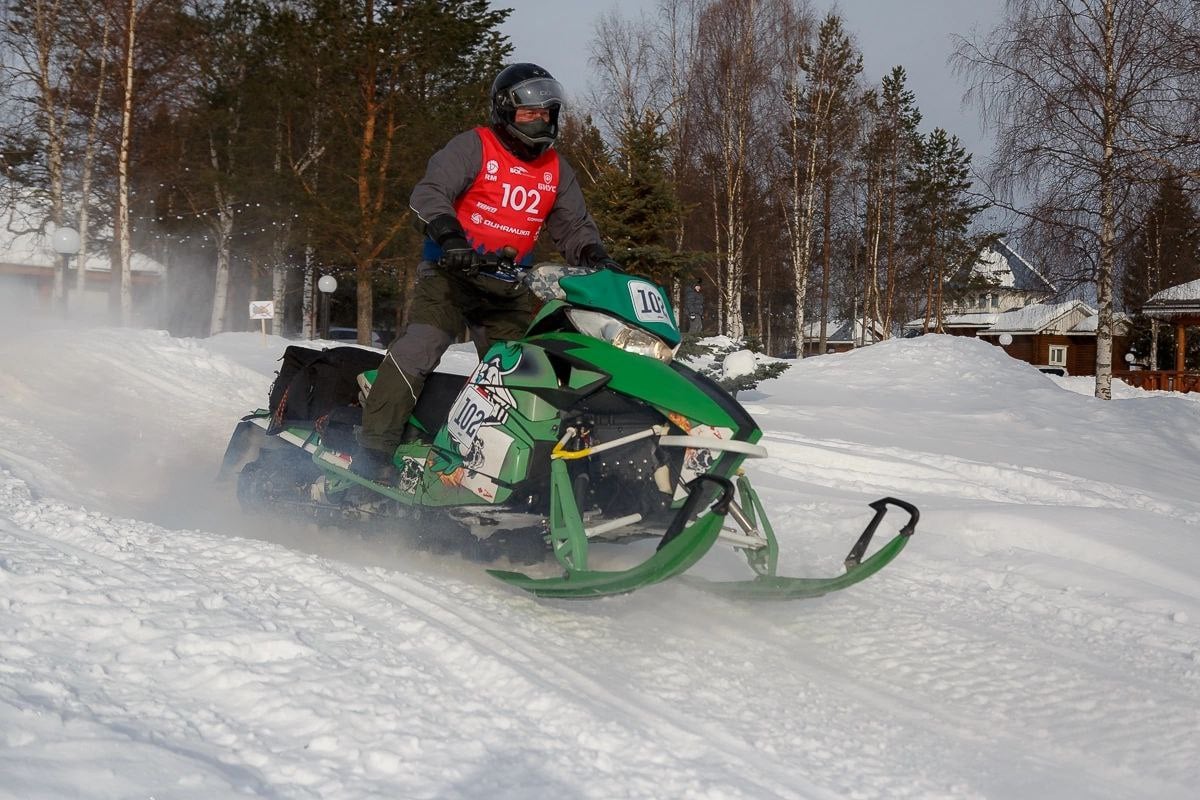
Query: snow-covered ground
[1039, 638]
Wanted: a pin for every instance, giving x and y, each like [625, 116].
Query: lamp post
[65, 242]
[327, 285]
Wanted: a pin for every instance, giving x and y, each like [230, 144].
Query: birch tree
[730, 94]
[818, 88]
[1080, 94]
[45, 66]
[891, 145]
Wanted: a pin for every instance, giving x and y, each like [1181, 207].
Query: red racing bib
[509, 200]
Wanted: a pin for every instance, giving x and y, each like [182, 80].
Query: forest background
[254, 145]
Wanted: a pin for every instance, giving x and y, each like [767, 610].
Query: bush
[707, 356]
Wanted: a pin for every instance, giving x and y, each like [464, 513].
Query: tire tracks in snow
[516, 651]
[841, 464]
[972, 684]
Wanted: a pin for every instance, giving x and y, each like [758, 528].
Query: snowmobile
[585, 431]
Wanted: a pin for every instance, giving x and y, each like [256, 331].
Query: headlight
[620, 335]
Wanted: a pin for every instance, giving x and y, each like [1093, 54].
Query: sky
[913, 33]
[1038, 638]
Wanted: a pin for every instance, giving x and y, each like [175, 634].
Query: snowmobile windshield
[537, 93]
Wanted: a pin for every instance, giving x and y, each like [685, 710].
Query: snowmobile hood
[636, 300]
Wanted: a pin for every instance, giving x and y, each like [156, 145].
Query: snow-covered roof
[842, 331]
[1174, 300]
[1004, 267]
[25, 240]
[971, 319]
[1089, 324]
[1037, 317]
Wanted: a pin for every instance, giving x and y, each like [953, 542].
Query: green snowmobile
[586, 430]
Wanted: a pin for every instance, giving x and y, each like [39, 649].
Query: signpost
[262, 310]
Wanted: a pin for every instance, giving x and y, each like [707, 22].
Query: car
[351, 335]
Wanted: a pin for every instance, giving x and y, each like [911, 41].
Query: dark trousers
[443, 305]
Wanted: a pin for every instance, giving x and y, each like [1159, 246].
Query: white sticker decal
[648, 305]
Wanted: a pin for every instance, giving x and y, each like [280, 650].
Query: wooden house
[1000, 280]
[1178, 306]
[1057, 337]
[840, 335]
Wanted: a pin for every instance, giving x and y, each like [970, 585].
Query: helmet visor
[537, 93]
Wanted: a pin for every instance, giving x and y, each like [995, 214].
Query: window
[1058, 355]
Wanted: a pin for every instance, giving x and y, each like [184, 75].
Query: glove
[595, 256]
[449, 235]
[457, 254]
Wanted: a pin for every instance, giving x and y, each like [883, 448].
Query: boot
[375, 465]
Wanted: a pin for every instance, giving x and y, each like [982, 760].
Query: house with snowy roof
[1057, 337]
[1001, 281]
[841, 335]
[1008, 302]
[28, 263]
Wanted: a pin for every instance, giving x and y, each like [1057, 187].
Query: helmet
[525, 86]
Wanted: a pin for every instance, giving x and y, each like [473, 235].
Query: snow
[1039, 637]
[995, 265]
[1180, 293]
[1036, 317]
[739, 363]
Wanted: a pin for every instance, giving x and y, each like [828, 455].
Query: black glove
[595, 256]
[457, 253]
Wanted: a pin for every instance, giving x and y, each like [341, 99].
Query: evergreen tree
[1166, 247]
[892, 145]
[940, 214]
[635, 205]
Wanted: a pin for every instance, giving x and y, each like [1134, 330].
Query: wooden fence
[1161, 380]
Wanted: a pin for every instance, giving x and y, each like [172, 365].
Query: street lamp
[327, 285]
[65, 242]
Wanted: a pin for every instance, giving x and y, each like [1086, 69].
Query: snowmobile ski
[683, 544]
[779, 587]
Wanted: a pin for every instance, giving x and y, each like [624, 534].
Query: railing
[1161, 380]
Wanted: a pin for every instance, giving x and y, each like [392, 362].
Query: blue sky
[914, 33]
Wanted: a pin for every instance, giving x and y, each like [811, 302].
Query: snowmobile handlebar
[502, 264]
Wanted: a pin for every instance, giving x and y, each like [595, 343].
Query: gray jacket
[693, 302]
[452, 170]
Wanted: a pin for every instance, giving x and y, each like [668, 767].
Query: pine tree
[635, 205]
[818, 96]
[892, 145]
[940, 214]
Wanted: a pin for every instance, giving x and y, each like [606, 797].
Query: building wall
[1081, 351]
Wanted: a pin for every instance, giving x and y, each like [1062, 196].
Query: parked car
[351, 335]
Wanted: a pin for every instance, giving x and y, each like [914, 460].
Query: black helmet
[525, 86]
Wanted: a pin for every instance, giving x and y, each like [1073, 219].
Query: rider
[489, 190]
